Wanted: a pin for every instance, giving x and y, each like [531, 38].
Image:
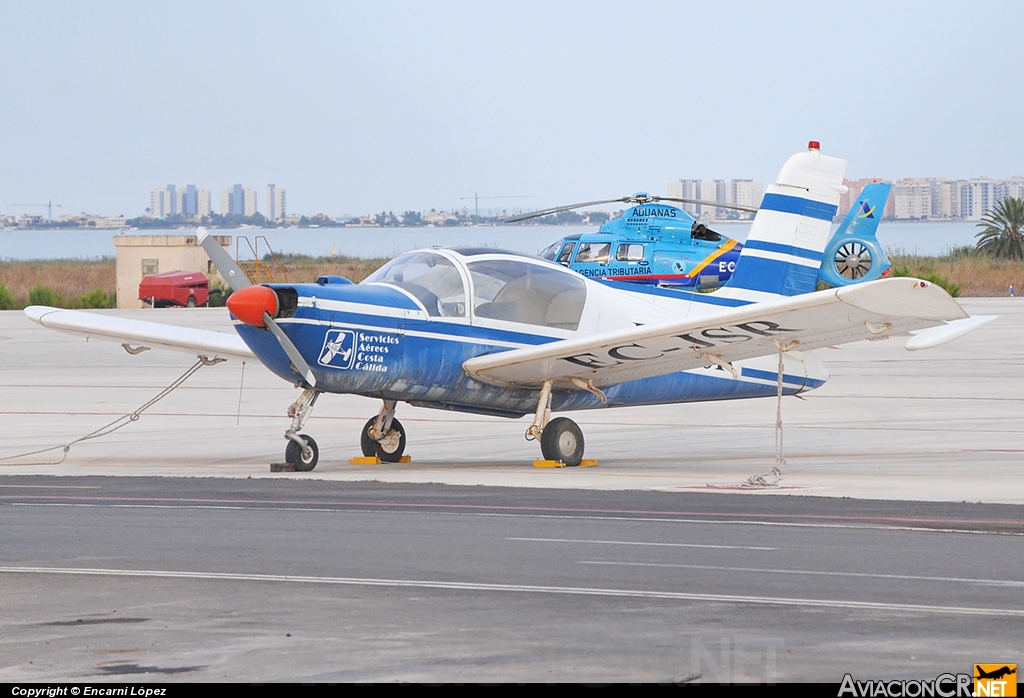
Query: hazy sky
[363, 107]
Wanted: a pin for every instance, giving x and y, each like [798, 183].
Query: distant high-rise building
[163, 202]
[238, 201]
[188, 201]
[203, 203]
[912, 198]
[686, 189]
[746, 192]
[276, 200]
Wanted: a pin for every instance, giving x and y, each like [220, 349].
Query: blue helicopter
[651, 243]
[657, 244]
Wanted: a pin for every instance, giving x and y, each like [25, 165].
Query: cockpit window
[515, 291]
[431, 278]
[593, 252]
[629, 252]
[566, 254]
[550, 251]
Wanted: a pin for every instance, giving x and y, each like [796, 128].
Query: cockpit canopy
[504, 288]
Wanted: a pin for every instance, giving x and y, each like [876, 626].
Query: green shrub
[7, 299]
[44, 295]
[93, 299]
[219, 294]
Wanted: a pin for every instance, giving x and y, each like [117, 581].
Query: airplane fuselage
[379, 340]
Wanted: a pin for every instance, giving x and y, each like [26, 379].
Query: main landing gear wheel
[562, 440]
[293, 455]
[390, 448]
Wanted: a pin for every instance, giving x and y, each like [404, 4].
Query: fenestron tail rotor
[634, 200]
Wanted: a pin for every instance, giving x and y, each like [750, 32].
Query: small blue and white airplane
[498, 333]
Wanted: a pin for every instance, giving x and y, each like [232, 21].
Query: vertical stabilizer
[783, 253]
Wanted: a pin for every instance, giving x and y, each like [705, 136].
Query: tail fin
[783, 252]
[854, 254]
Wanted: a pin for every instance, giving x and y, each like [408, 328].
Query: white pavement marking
[525, 588]
[629, 542]
[768, 570]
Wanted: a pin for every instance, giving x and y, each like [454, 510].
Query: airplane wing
[874, 310]
[140, 332]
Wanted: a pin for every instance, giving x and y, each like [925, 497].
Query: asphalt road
[301, 580]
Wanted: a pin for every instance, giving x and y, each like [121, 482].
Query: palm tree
[1002, 230]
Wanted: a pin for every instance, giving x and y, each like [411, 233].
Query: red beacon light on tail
[813, 145]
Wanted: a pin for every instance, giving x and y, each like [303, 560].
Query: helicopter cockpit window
[431, 278]
[593, 252]
[550, 251]
[515, 291]
[629, 253]
[701, 232]
[565, 256]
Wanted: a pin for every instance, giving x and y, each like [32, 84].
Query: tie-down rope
[121, 421]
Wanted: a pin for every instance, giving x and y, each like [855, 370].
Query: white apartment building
[686, 189]
[912, 198]
[744, 192]
[163, 202]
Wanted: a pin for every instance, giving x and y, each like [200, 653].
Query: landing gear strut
[302, 451]
[561, 439]
[383, 436]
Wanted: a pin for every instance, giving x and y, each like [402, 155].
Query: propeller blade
[291, 350]
[231, 272]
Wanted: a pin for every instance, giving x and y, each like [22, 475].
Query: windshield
[431, 278]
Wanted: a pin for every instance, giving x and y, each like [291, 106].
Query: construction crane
[476, 200]
[48, 206]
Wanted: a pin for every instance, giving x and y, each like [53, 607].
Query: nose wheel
[302, 459]
[301, 452]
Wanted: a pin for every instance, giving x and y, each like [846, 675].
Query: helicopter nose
[249, 304]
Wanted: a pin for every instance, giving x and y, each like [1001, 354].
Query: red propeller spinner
[249, 304]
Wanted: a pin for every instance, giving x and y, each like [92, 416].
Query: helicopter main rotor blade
[717, 204]
[231, 272]
[635, 199]
[559, 209]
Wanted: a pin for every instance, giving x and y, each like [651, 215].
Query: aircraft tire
[366, 444]
[293, 455]
[389, 449]
[562, 440]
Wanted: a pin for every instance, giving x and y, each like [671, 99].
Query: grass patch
[970, 272]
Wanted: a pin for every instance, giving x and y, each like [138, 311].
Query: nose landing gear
[302, 452]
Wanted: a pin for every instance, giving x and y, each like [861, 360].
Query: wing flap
[873, 310]
[150, 334]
